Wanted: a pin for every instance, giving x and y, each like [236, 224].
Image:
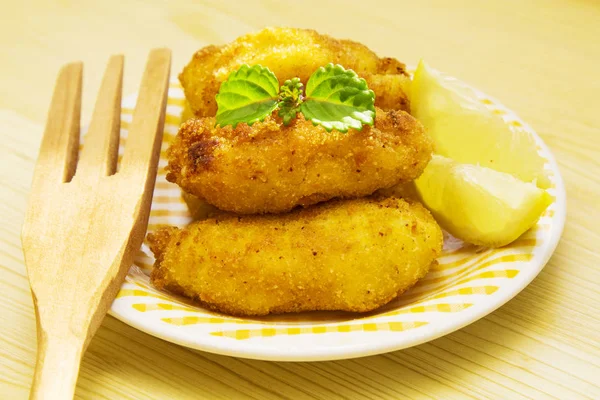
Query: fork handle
[57, 366]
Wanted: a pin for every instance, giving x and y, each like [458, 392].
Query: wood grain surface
[540, 57]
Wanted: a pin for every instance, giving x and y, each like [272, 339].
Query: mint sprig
[335, 98]
[248, 95]
[290, 97]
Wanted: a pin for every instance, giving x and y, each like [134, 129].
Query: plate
[469, 283]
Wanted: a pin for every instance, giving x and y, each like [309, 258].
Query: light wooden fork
[85, 221]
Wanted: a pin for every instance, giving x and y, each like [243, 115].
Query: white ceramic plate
[469, 283]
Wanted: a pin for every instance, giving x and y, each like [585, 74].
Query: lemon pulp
[465, 130]
[480, 205]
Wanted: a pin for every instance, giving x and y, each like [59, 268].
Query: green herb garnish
[335, 98]
[248, 95]
[290, 98]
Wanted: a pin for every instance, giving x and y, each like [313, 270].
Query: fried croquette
[291, 53]
[406, 191]
[199, 209]
[349, 255]
[272, 168]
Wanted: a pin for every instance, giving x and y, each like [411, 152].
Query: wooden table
[542, 58]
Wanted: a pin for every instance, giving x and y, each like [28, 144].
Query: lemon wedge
[465, 130]
[480, 205]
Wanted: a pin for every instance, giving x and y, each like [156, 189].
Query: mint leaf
[336, 98]
[290, 97]
[248, 95]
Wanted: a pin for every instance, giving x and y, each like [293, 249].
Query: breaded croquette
[406, 191]
[350, 255]
[271, 168]
[291, 53]
[199, 209]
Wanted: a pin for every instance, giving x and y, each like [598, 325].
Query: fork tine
[57, 159]
[101, 147]
[145, 134]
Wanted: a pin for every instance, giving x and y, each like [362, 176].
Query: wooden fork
[86, 220]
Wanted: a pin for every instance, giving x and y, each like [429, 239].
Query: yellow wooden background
[539, 57]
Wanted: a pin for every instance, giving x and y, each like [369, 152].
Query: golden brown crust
[291, 53]
[353, 255]
[271, 168]
[199, 209]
